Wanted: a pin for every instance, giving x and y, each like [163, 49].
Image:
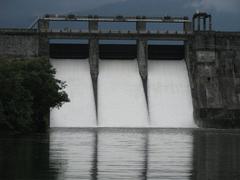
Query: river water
[107, 153]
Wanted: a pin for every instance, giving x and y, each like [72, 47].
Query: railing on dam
[101, 34]
[92, 27]
[128, 35]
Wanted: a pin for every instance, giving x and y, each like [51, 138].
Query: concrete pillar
[43, 25]
[43, 48]
[93, 26]
[142, 56]
[93, 56]
[204, 23]
[193, 23]
[210, 23]
[199, 23]
[94, 68]
[187, 27]
[141, 26]
[94, 60]
[93, 49]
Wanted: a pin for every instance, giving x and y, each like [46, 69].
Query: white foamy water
[80, 112]
[121, 100]
[170, 101]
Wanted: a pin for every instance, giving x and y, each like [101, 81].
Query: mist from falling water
[80, 111]
[121, 99]
[170, 101]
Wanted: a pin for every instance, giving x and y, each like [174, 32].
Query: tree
[28, 91]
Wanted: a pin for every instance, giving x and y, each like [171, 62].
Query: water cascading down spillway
[80, 111]
[121, 99]
[170, 101]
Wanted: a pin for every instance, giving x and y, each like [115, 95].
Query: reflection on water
[74, 150]
[216, 155]
[122, 154]
[24, 158]
[170, 154]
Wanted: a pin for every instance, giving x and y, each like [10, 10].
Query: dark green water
[122, 154]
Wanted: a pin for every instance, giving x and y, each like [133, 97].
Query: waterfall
[80, 111]
[170, 101]
[121, 100]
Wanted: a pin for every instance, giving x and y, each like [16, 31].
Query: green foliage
[28, 90]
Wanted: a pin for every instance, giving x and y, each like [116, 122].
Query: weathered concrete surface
[142, 57]
[213, 60]
[19, 45]
[43, 50]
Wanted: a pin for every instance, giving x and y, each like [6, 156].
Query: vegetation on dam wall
[28, 89]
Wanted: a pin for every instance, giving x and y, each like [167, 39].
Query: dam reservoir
[137, 110]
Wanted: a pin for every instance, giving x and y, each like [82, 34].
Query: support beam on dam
[142, 57]
[142, 50]
[212, 58]
[43, 26]
[94, 60]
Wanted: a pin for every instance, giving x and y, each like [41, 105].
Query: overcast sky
[20, 13]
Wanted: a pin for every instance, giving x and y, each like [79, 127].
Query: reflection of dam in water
[121, 101]
[122, 154]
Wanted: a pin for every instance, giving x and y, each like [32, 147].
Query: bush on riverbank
[28, 89]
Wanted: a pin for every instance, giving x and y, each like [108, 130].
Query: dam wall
[19, 44]
[213, 60]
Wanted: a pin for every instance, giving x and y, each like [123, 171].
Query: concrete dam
[139, 83]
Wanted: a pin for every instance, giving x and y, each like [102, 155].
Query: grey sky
[231, 6]
[20, 13]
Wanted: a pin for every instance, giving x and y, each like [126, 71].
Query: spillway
[121, 100]
[170, 101]
[80, 111]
